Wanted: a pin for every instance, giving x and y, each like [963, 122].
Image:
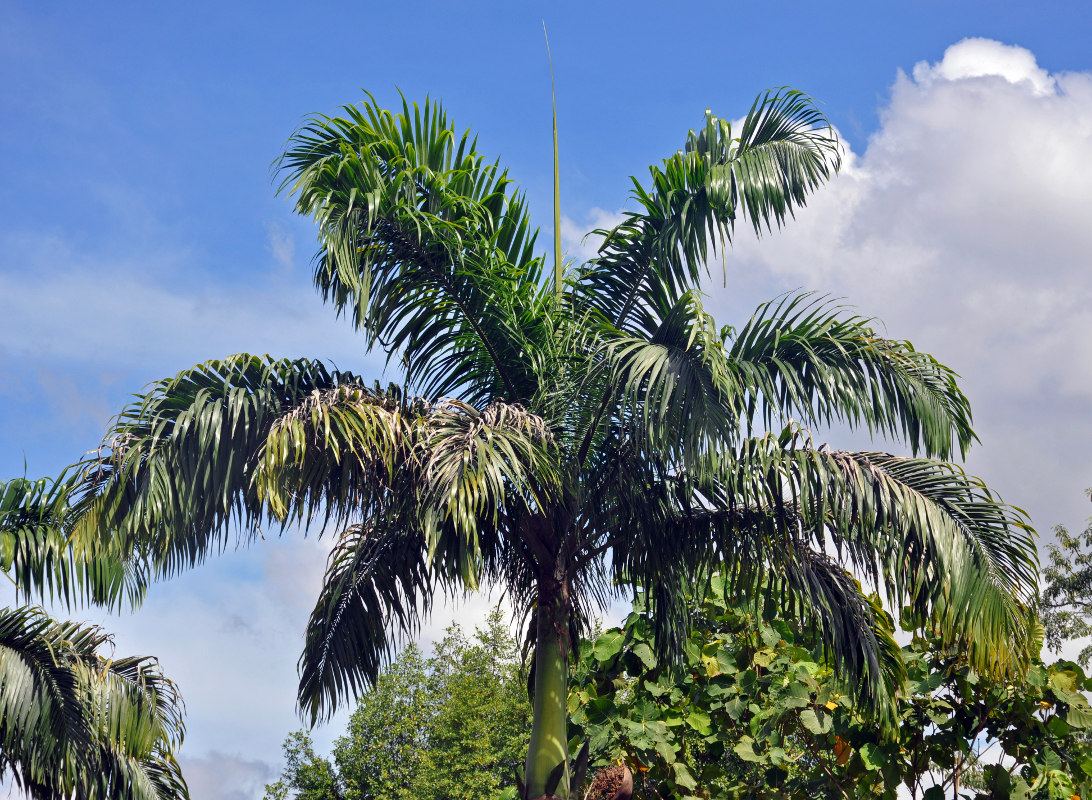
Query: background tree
[306, 775]
[1066, 601]
[603, 437]
[452, 725]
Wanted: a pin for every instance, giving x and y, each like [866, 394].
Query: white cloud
[977, 58]
[281, 245]
[963, 227]
[576, 239]
[140, 315]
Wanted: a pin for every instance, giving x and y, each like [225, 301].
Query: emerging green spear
[557, 174]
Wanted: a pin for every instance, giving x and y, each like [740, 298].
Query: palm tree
[570, 437]
[73, 722]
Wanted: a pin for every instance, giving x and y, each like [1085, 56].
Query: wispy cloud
[282, 246]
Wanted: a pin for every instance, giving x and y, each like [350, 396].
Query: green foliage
[75, 720]
[755, 713]
[453, 725]
[1065, 604]
[306, 776]
[77, 723]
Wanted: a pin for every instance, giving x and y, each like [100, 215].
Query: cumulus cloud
[963, 227]
[576, 237]
[979, 58]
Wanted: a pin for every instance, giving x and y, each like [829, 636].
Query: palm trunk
[549, 728]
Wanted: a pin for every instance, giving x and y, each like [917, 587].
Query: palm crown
[75, 722]
[576, 440]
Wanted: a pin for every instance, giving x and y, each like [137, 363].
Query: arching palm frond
[784, 150]
[921, 530]
[676, 388]
[448, 522]
[179, 466]
[483, 470]
[137, 714]
[424, 244]
[377, 586]
[38, 556]
[42, 713]
[803, 357]
[772, 514]
[245, 441]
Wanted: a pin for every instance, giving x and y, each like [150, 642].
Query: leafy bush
[755, 713]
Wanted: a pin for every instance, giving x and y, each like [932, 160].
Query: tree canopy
[1066, 600]
[755, 712]
[453, 725]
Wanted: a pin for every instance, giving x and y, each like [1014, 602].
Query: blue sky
[140, 231]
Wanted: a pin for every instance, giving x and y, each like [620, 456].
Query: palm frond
[677, 387]
[340, 452]
[922, 530]
[76, 724]
[36, 552]
[424, 244]
[42, 710]
[178, 470]
[137, 714]
[803, 357]
[785, 149]
[482, 467]
[377, 587]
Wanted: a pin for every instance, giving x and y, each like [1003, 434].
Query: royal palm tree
[574, 436]
[75, 723]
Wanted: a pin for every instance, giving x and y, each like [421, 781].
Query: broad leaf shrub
[755, 713]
